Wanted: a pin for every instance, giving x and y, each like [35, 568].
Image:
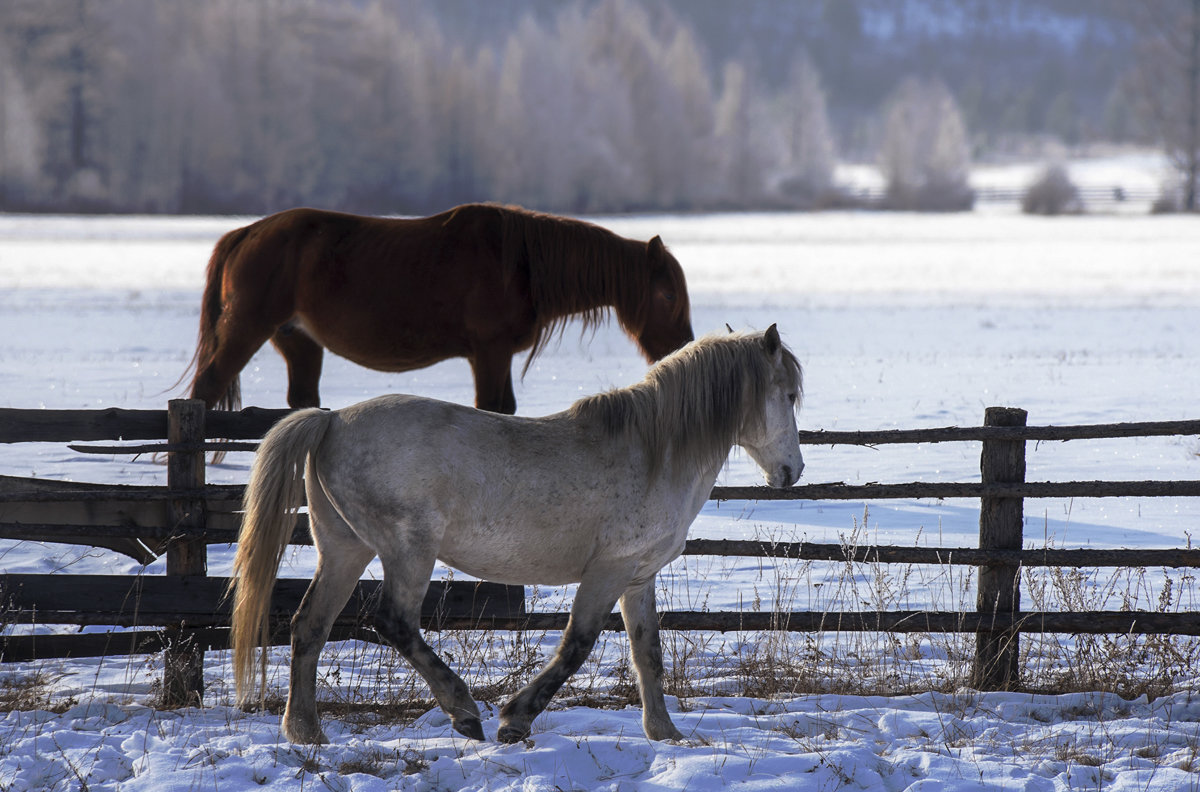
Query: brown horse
[480, 281]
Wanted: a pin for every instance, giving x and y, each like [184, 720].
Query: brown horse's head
[664, 320]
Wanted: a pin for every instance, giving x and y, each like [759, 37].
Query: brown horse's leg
[493, 381]
[303, 356]
[216, 379]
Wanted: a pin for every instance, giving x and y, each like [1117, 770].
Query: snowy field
[900, 321]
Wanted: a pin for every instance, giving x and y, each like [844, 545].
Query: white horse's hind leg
[405, 581]
[341, 559]
[641, 625]
[593, 603]
[338, 570]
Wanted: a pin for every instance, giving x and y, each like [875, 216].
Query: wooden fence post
[1000, 527]
[183, 661]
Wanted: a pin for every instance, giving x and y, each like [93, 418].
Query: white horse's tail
[272, 502]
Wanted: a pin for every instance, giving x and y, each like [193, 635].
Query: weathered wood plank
[949, 434]
[33, 425]
[1001, 523]
[113, 423]
[19, 425]
[23, 648]
[223, 529]
[187, 553]
[162, 448]
[250, 427]
[117, 643]
[942, 490]
[1099, 622]
[154, 600]
[250, 423]
[17, 489]
[228, 497]
[965, 556]
[148, 600]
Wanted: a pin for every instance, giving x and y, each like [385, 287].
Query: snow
[900, 321]
[957, 741]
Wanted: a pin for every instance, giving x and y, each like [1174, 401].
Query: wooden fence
[182, 613]
[1094, 198]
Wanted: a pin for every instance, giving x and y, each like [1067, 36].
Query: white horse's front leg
[641, 624]
[593, 604]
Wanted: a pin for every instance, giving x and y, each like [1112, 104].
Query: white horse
[601, 494]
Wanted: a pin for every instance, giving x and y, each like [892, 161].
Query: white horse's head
[770, 436]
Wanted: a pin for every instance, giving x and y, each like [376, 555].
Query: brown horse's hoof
[469, 727]
[511, 734]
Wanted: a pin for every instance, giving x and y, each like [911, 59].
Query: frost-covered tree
[564, 126]
[370, 105]
[810, 158]
[925, 157]
[58, 53]
[606, 108]
[463, 109]
[20, 150]
[741, 138]
[621, 34]
[393, 163]
[605, 128]
[533, 165]
[1168, 85]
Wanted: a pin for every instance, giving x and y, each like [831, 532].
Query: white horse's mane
[692, 403]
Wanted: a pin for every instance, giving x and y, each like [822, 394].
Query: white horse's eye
[792, 398]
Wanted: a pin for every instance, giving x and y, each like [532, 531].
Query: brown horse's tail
[273, 498]
[210, 315]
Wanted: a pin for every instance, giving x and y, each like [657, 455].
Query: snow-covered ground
[899, 320]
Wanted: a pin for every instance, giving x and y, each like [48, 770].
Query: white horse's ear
[727, 327]
[771, 342]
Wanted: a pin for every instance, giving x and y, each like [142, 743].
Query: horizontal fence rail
[744, 548]
[950, 434]
[916, 490]
[146, 522]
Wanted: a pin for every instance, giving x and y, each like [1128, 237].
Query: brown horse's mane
[567, 259]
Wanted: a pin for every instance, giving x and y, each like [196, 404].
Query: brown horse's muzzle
[656, 346]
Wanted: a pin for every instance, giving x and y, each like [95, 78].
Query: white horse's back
[502, 498]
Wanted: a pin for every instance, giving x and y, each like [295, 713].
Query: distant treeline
[407, 106]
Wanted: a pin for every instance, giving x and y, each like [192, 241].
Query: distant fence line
[1091, 196]
[186, 614]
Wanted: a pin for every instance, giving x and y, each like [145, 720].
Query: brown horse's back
[480, 281]
[389, 294]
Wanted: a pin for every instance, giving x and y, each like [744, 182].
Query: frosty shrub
[1167, 202]
[1052, 193]
[925, 157]
[1172, 197]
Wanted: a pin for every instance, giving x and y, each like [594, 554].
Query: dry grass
[32, 692]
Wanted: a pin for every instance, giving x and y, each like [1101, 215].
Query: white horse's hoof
[469, 727]
[509, 733]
